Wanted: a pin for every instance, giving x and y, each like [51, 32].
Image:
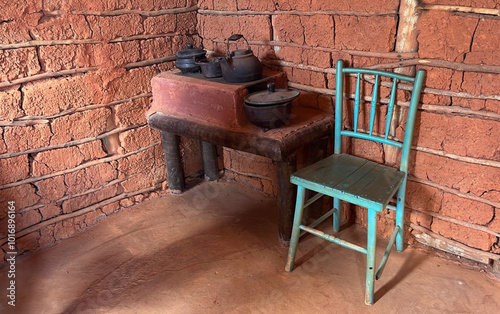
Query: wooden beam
[457, 8]
[406, 41]
[140, 12]
[374, 54]
[79, 212]
[439, 242]
[294, 12]
[42, 76]
[71, 143]
[82, 166]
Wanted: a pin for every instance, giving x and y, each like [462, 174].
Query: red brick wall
[454, 184]
[74, 144]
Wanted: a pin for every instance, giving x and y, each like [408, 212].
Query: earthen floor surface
[214, 249]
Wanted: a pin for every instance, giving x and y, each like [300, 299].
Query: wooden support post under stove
[173, 161]
[286, 198]
[210, 166]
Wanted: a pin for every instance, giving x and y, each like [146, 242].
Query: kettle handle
[235, 37]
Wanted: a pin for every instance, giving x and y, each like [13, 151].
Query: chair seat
[353, 179]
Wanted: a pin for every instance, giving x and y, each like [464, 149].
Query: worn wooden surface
[363, 182]
[286, 198]
[305, 125]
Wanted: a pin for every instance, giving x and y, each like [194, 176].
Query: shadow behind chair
[356, 180]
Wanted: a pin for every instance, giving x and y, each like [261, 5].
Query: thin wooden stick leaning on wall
[374, 54]
[72, 143]
[140, 12]
[437, 241]
[82, 166]
[38, 43]
[295, 12]
[480, 68]
[458, 222]
[463, 9]
[45, 76]
[79, 212]
[430, 108]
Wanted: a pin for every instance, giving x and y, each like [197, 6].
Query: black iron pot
[186, 59]
[271, 108]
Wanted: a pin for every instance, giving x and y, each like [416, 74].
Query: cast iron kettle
[186, 59]
[240, 65]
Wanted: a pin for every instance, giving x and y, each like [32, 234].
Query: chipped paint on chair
[357, 180]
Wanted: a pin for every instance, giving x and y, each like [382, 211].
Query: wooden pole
[175, 175]
[72, 143]
[44, 76]
[406, 41]
[294, 12]
[140, 12]
[286, 198]
[79, 212]
[439, 242]
[374, 54]
[430, 108]
[463, 9]
[210, 166]
[82, 166]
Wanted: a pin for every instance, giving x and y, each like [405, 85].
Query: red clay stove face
[209, 100]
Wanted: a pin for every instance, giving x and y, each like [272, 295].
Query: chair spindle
[390, 108]
[374, 103]
[356, 104]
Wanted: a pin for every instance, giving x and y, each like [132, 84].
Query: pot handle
[235, 37]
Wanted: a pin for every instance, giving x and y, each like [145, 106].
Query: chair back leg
[294, 240]
[370, 256]
[400, 214]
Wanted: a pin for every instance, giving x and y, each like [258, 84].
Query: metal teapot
[240, 65]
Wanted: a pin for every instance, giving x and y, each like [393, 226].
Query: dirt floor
[214, 249]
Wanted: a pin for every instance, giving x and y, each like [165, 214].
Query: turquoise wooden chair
[356, 180]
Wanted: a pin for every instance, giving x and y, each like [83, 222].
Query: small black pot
[186, 59]
[210, 67]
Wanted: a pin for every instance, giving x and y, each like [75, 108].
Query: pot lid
[271, 96]
[190, 52]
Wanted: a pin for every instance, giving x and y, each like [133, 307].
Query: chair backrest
[357, 132]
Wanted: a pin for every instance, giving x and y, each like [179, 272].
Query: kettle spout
[223, 61]
[226, 67]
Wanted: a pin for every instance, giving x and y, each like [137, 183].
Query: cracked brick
[51, 189]
[10, 104]
[14, 169]
[56, 160]
[22, 138]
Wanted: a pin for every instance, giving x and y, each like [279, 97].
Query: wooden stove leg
[209, 152]
[173, 160]
[286, 198]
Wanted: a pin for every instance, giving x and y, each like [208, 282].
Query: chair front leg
[370, 256]
[294, 240]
